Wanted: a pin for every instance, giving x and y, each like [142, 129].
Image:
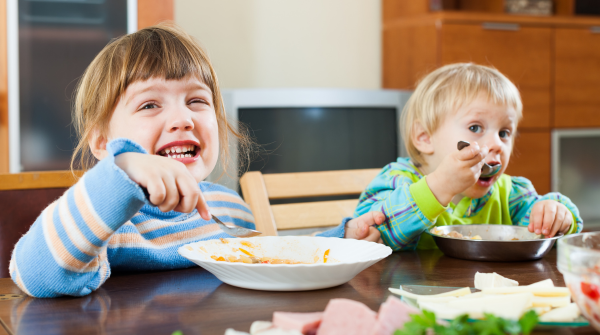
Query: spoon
[486, 170]
[234, 230]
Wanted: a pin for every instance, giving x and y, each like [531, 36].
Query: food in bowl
[246, 255]
[454, 234]
[579, 262]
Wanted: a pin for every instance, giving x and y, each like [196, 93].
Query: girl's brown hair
[162, 51]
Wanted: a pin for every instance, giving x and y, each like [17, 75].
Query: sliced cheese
[537, 291]
[423, 299]
[455, 293]
[540, 310]
[506, 306]
[543, 283]
[489, 280]
[551, 301]
[441, 310]
[563, 314]
[258, 326]
[472, 296]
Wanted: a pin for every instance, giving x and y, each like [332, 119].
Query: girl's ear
[97, 144]
[421, 139]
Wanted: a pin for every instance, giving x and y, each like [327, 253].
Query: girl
[149, 109]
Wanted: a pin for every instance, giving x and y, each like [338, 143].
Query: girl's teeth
[167, 151]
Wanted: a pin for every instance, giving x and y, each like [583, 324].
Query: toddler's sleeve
[64, 251]
[523, 196]
[409, 207]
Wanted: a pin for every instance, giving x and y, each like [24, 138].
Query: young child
[440, 185]
[149, 109]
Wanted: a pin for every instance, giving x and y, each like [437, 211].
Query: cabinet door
[577, 78]
[531, 159]
[522, 54]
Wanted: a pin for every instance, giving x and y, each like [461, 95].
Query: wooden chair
[259, 190]
[23, 196]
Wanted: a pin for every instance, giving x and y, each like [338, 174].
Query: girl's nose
[181, 121]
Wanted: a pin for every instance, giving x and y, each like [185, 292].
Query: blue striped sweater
[104, 222]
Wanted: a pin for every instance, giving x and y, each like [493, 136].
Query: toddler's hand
[549, 217]
[169, 183]
[457, 172]
[361, 228]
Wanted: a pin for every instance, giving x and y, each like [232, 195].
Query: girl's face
[175, 119]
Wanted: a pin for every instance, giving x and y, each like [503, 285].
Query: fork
[234, 230]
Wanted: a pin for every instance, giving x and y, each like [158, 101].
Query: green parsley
[490, 325]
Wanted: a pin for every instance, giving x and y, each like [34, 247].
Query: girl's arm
[407, 203]
[64, 251]
[523, 197]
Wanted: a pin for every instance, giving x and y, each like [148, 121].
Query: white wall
[288, 43]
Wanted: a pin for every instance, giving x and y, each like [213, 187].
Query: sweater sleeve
[409, 207]
[64, 251]
[523, 197]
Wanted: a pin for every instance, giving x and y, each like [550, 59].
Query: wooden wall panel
[564, 7]
[151, 12]
[3, 91]
[531, 159]
[488, 6]
[523, 56]
[393, 9]
[409, 53]
[577, 78]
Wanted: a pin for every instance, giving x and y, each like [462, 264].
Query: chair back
[258, 191]
[23, 196]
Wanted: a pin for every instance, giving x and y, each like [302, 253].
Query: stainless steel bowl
[496, 245]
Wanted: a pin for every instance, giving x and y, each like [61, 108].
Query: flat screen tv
[301, 130]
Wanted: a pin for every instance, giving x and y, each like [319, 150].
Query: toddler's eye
[504, 134]
[475, 128]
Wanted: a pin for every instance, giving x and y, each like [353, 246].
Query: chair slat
[315, 184]
[313, 214]
[255, 195]
[37, 180]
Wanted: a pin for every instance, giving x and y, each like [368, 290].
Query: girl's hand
[169, 183]
[549, 217]
[456, 173]
[361, 228]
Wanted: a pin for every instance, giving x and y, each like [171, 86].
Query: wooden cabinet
[577, 77]
[526, 62]
[531, 159]
[553, 60]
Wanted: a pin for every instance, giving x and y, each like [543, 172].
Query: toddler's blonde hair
[449, 88]
[162, 51]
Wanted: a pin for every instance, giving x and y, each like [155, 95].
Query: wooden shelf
[481, 17]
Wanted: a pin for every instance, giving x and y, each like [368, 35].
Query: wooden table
[195, 302]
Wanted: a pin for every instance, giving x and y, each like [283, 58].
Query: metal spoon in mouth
[487, 170]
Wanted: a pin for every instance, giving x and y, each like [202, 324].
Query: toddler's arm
[523, 198]
[64, 251]
[407, 203]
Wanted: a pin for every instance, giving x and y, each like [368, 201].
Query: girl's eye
[149, 106]
[504, 133]
[199, 101]
[475, 128]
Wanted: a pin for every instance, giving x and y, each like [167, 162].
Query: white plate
[347, 258]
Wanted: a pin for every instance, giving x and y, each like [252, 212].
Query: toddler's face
[170, 118]
[483, 122]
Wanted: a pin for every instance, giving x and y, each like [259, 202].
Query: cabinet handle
[501, 26]
[595, 29]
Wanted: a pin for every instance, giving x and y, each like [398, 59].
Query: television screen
[321, 139]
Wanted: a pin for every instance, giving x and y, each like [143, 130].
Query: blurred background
[323, 81]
